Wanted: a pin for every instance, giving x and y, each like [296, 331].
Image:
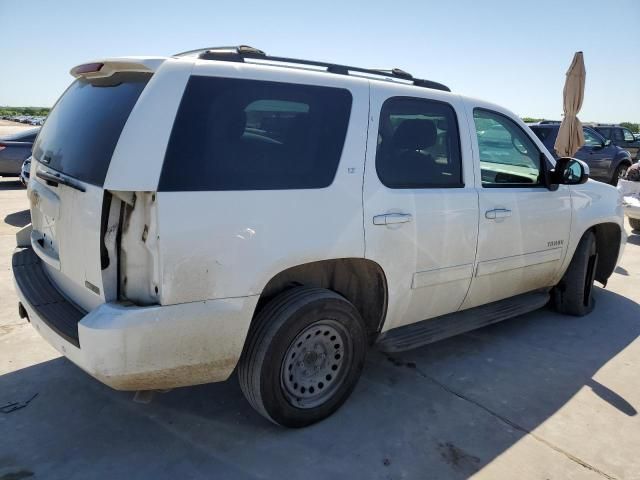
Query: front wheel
[573, 295]
[303, 357]
[620, 172]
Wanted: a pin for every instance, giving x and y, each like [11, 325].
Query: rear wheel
[573, 295]
[635, 223]
[304, 355]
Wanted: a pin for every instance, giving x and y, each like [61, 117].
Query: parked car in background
[620, 136]
[330, 210]
[607, 162]
[630, 192]
[25, 172]
[14, 149]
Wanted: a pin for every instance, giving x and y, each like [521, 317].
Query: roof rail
[244, 52]
[548, 122]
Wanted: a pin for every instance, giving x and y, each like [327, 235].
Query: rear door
[69, 206]
[420, 205]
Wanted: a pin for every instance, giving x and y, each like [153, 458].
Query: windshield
[82, 130]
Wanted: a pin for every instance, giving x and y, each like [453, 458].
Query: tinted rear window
[82, 130]
[418, 144]
[543, 133]
[235, 134]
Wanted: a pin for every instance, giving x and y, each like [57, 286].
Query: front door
[628, 141]
[596, 155]
[524, 226]
[420, 206]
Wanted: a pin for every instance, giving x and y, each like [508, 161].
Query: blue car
[607, 162]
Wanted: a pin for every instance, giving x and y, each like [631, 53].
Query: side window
[508, 156]
[418, 144]
[236, 134]
[605, 132]
[591, 139]
[617, 135]
[628, 136]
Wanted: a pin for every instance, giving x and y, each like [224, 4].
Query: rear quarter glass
[237, 134]
[82, 130]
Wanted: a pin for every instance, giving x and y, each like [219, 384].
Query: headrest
[415, 134]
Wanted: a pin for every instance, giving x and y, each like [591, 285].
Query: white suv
[225, 210]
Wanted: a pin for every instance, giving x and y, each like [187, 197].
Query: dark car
[607, 162]
[622, 137]
[14, 149]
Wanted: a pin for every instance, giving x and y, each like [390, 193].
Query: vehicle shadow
[10, 184]
[448, 409]
[18, 219]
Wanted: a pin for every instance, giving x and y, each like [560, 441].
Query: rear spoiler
[108, 66]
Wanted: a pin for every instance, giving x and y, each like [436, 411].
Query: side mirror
[569, 171]
[607, 143]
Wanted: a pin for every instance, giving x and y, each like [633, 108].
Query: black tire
[266, 369]
[635, 223]
[573, 295]
[620, 172]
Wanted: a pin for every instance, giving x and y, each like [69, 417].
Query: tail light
[2, 146]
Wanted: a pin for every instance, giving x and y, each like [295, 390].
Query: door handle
[391, 218]
[497, 213]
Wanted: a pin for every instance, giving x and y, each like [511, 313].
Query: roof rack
[244, 52]
[548, 122]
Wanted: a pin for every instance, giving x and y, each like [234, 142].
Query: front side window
[508, 157]
[237, 134]
[591, 139]
[418, 144]
[605, 132]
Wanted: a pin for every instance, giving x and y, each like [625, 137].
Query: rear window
[236, 134]
[543, 133]
[82, 130]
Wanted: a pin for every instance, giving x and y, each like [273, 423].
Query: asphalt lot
[541, 396]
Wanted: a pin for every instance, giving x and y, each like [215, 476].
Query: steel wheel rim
[622, 173]
[316, 364]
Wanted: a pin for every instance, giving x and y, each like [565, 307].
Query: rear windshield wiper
[55, 178]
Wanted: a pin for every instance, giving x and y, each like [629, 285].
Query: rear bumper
[139, 348]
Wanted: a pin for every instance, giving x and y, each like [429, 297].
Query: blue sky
[514, 53]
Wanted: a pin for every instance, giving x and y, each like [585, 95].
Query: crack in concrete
[503, 419]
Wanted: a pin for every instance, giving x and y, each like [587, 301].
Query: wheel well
[608, 247]
[360, 281]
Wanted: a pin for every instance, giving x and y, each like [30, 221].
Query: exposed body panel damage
[139, 263]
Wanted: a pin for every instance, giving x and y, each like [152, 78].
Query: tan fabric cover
[570, 136]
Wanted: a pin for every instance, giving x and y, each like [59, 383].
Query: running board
[428, 331]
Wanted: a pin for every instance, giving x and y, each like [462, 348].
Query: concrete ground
[542, 396]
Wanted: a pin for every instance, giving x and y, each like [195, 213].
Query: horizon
[501, 54]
